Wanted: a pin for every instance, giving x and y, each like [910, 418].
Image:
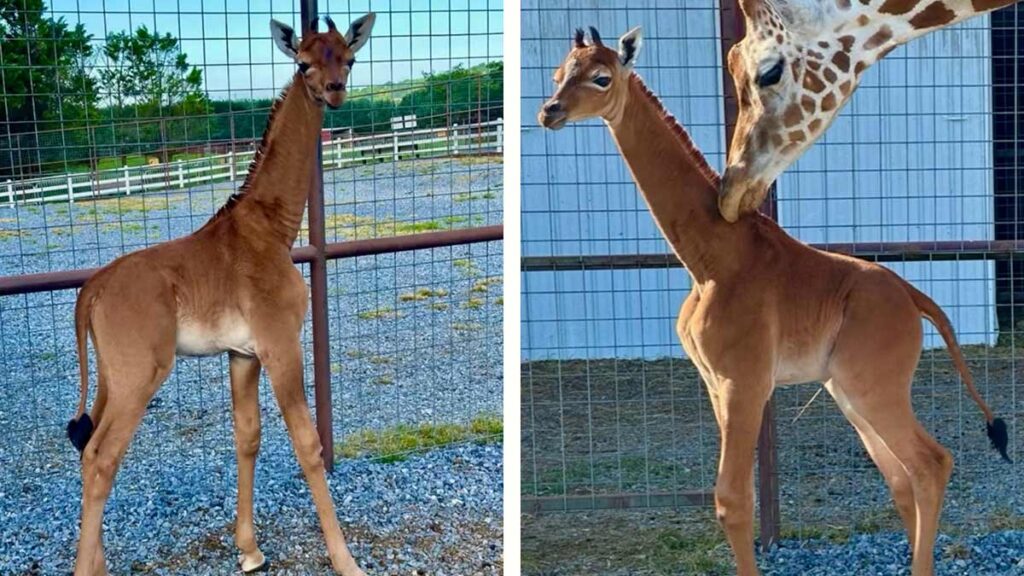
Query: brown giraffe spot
[860, 67]
[863, 20]
[847, 42]
[828, 102]
[883, 35]
[789, 148]
[897, 6]
[815, 55]
[936, 14]
[885, 51]
[830, 75]
[814, 65]
[823, 45]
[983, 5]
[812, 82]
[779, 38]
[795, 67]
[792, 116]
[845, 87]
[777, 140]
[843, 4]
[797, 136]
[808, 103]
[814, 125]
[841, 61]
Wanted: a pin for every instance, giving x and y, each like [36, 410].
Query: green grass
[467, 266]
[396, 443]
[438, 306]
[379, 314]
[422, 294]
[133, 205]
[472, 196]
[351, 226]
[473, 304]
[485, 284]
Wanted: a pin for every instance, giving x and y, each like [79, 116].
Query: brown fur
[935, 14]
[228, 287]
[766, 310]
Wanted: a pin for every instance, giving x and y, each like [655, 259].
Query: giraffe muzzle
[552, 116]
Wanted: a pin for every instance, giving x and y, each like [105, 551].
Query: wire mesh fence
[126, 124]
[919, 173]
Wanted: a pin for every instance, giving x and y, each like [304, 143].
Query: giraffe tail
[995, 427]
[80, 427]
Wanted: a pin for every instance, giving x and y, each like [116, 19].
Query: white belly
[230, 334]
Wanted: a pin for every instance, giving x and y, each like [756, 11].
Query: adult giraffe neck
[679, 186]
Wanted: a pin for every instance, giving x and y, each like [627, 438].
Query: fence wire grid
[128, 123]
[614, 416]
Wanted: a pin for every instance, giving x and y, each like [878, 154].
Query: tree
[148, 72]
[45, 81]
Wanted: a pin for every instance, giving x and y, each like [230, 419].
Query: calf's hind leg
[892, 470]
[132, 387]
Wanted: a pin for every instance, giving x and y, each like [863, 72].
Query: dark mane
[254, 165]
[684, 137]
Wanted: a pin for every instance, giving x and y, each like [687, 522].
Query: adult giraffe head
[325, 59]
[592, 81]
[798, 65]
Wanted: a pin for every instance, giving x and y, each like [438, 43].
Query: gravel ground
[594, 431]
[394, 360]
[677, 542]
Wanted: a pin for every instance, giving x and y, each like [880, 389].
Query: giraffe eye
[770, 76]
[303, 67]
[603, 81]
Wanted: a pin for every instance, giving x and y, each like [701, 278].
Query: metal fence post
[500, 130]
[318, 290]
[231, 164]
[181, 173]
[71, 190]
[733, 25]
[455, 139]
[10, 193]
[127, 182]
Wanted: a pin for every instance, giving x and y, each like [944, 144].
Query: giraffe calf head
[592, 81]
[325, 59]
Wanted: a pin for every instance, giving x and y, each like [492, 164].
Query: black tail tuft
[80, 430]
[999, 436]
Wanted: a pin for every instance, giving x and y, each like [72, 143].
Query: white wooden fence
[485, 137]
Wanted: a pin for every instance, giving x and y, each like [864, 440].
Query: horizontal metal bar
[66, 279]
[539, 504]
[949, 250]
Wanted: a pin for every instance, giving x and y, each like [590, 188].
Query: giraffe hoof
[253, 566]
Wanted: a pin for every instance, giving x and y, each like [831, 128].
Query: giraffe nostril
[553, 107]
[335, 86]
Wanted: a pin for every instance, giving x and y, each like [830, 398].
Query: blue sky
[230, 39]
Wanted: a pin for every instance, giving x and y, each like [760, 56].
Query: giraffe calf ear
[359, 31]
[629, 46]
[284, 37]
